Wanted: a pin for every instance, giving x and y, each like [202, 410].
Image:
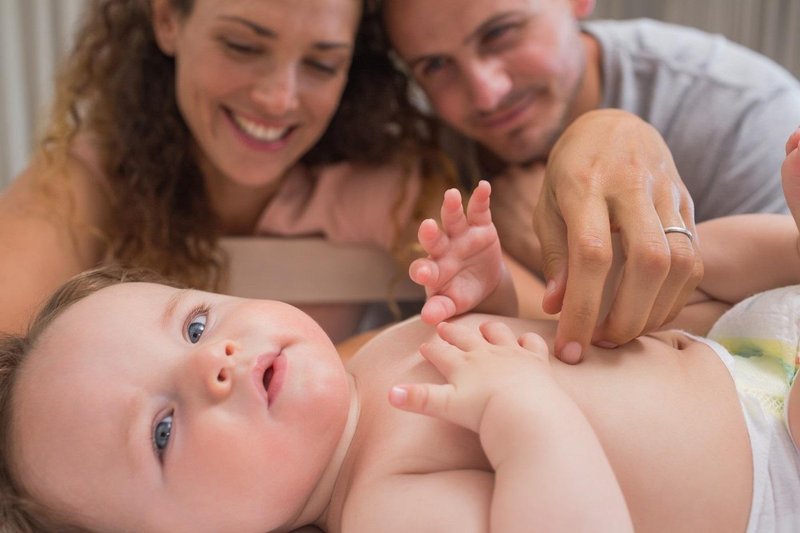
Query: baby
[137, 406]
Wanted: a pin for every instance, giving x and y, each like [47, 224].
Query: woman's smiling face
[144, 407]
[258, 81]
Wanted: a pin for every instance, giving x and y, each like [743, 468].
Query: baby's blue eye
[196, 328]
[161, 434]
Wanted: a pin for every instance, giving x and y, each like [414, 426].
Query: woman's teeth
[258, 131]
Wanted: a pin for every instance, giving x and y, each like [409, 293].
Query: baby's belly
[669, 420]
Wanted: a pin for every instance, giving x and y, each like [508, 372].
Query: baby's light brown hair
[19, 513]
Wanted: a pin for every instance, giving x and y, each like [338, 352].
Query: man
[524, 79]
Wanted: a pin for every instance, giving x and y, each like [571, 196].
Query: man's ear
[582, 8]
[166, 22]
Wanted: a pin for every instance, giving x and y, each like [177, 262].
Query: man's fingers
[640, 266]
[590, 259]
[552, 233]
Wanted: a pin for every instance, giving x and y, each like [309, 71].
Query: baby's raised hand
[484, 367]
[464, 263]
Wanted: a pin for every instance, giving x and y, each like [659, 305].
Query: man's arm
[746, 254]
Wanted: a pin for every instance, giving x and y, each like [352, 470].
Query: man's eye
[161, 434]
[196, 327]
[433, 65]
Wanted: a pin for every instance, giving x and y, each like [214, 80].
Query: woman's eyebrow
[263, 31]
[172, 304]
[258, 28]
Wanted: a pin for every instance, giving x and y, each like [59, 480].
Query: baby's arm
[549, 465]
[464, 269]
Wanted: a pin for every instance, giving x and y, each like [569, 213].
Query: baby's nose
[211, 367]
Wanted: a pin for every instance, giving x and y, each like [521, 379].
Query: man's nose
[489, 83]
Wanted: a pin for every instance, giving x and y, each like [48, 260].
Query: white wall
[34, 34]
[771, 27]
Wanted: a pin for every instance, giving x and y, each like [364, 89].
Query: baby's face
[149, 408]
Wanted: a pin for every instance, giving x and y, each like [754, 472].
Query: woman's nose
[488, 83]
[209, 370]
[276, 91]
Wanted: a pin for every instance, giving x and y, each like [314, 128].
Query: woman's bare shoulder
[51, 221]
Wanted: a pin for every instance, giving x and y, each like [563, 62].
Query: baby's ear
[166, 22]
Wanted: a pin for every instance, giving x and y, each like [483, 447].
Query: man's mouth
[509, 110]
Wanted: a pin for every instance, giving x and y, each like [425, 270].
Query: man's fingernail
[608, 345]
[551, 286]
[571, 352]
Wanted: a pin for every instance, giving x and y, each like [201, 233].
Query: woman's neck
[237, 207]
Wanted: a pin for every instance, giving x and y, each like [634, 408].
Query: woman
[177, 122]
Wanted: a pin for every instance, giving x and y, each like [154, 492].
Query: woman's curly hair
[119, 88]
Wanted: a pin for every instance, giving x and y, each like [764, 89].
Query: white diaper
[775, 506]
[763, 332]
[759, 340]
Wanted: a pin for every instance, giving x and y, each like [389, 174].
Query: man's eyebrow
[172, 304]
[263, 31]
[484, 26]
[472, 36]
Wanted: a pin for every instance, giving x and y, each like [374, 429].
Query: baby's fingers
[423, 398]
[432, 239]
[453, 220]
[478, 213]
[438, 401]
[534, 343]
[437, 308]
[423, 272]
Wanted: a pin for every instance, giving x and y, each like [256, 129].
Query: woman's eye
[196, 327]
[161, 434]
[322, 67]
[239, 48]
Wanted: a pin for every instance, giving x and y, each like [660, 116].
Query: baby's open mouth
[268, 373]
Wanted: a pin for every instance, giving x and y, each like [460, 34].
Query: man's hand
[612, 173]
